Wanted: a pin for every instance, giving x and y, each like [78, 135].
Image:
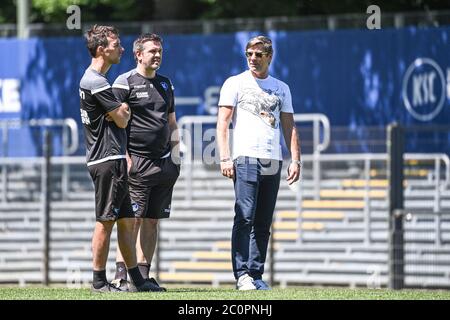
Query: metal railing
[317, 119]
[70, 143]
[440, 177]
[316, 22]
[192, 138]
[441, 162]
[69, 126]
[368, 159]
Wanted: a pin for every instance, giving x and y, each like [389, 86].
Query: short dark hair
[138, 44]
[265, 41]
[98, 36]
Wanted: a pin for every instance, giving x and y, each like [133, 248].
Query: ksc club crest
[424, 89]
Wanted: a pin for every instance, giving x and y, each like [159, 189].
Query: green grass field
[196, 293]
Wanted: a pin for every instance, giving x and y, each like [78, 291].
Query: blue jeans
[256, 188]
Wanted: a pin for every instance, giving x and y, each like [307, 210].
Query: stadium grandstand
[351, 221]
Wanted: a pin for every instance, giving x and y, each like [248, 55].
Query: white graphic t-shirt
[256, 117]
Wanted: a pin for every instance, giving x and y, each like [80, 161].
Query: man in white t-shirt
[258, 105]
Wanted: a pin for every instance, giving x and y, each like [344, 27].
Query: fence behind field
[329, 229]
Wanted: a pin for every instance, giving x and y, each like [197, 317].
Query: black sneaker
[153, 280]
[121, 284]
[108, 287]
[147, 286]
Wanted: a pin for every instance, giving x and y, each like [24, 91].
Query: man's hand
[120, 115]
[293, 172]
[227, 169]
[129, 162]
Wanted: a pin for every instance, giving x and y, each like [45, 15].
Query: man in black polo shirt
[153, 150]
[104, 121]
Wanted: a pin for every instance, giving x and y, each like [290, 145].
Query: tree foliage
[7, 11]
[147, 10]
[265, 8]
[92, 10]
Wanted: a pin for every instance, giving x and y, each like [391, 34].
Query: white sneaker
[245, 282]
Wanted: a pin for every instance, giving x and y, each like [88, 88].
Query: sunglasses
[258, 54]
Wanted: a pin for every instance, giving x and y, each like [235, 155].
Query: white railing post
[316, 162]
[4, 166]
[367, 218]
[185, 125]
[65, 167]
[68, 149]
[298, 207]
[318, 147]
[437, 199]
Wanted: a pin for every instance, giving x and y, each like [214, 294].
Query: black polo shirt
[151, 101]
[104, 139]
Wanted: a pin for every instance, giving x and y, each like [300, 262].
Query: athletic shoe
[245, 282]
[108, 287]
[147, 286]
[261, 285]
[121, 284]
[153, 280]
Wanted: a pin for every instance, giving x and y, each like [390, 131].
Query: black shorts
[112, 200]
[151, 184]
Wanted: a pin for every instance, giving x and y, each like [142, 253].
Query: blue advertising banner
[357, 78]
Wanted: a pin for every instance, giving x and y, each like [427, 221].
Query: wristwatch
[298, 162]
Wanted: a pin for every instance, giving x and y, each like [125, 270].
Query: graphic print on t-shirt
[262, 103]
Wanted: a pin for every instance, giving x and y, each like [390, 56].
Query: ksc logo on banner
[424, 89]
